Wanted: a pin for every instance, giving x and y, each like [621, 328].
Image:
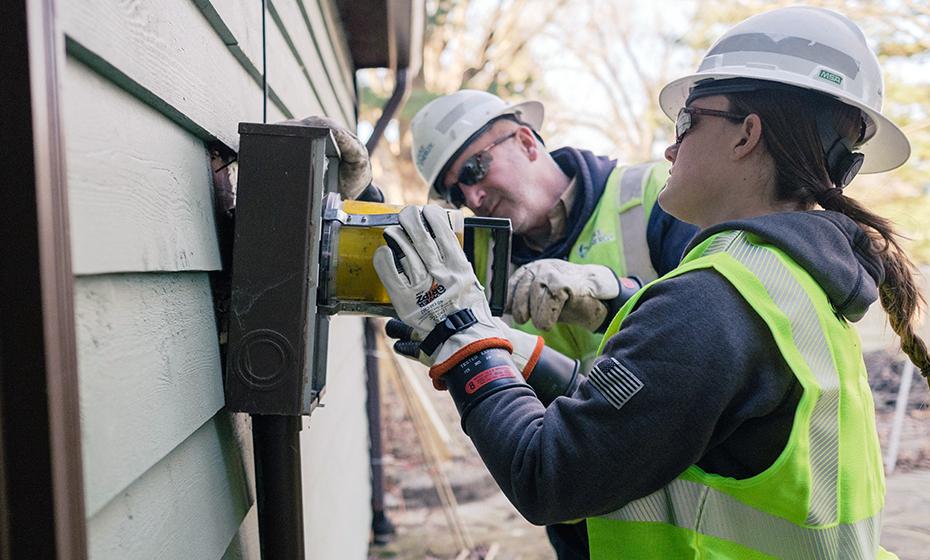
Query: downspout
[381, 526]
[401, 89]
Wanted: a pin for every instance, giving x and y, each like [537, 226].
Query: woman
[729, 414]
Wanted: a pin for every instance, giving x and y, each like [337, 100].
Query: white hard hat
[810, 48]
[445, 125]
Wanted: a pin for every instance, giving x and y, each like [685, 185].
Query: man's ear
[527, 141]
[749, 136]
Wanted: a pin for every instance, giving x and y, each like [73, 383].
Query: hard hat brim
[530, 112]
[887, 149]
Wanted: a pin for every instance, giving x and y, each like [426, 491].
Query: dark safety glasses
[685, 119]
[473, 171]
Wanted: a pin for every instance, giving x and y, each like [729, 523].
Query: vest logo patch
[598, 237]
[616, 383]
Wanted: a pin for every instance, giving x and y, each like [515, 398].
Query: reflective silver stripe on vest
[808, 337]
[705, 510]
[682, 502]
[633, 224]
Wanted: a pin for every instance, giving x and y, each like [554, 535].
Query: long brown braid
[790, 133]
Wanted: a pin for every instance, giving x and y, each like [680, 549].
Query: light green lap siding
[146, 86]
[139, 186]
[149, 371]
[188, 505]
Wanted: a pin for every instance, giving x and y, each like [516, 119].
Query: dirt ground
[496, 530]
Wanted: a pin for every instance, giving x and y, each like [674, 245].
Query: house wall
[146, 86]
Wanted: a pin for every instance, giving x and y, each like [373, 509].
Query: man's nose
[671, 152]
[474, 196]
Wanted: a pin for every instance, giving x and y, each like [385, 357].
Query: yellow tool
[352, 230]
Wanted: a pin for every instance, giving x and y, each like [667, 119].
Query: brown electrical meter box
[301, 254]
[276, 357]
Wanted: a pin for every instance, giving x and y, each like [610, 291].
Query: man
[597, 219]
[583, 226]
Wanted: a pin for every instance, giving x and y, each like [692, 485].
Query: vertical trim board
[149, 371]
[140, 187]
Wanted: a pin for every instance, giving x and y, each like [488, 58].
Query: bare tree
[479, 45]
[622, 54]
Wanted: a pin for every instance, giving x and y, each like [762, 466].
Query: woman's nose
[672, 152]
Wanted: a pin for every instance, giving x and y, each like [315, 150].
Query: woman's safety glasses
[474, 170]
[685, 119]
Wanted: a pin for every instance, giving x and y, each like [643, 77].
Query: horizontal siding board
[149, 371]
[334, 446]
[238, 23]
[275, 114]
[139, 186]
[168, 54]
[245, 545]
[337, 37]
[190, 504]
[306, 39]
[303, 88]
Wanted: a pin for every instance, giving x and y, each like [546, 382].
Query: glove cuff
[534, 357]
[553, 375]
[479, 376]
[440, 369]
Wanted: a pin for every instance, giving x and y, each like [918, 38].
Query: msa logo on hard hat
[831, 77]
[427, 297]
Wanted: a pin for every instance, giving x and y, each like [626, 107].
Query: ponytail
[791, 136]
[899, 293]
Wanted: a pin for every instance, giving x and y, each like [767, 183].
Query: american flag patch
[615, 382]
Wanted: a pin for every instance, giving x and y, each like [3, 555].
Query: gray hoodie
[716, 391]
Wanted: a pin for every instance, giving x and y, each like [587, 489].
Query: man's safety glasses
[685, 119]
[474, 170]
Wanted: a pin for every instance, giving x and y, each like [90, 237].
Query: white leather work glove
[354, 165]
[428, 278]
[550, 291]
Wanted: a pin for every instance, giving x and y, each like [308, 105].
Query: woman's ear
[749, 136]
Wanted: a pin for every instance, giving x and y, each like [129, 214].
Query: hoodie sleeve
[667, 238]
[693, 348]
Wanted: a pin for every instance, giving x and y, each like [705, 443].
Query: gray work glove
[354, 166]
[550, 291]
